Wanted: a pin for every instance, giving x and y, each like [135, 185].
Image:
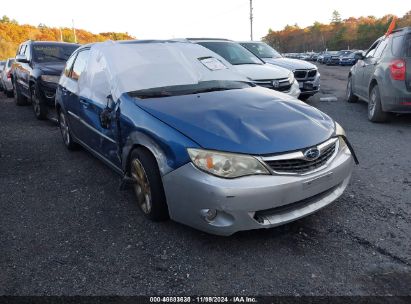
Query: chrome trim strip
[300, 155]
[91, 128]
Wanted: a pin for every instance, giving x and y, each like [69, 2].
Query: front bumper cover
[252, 202]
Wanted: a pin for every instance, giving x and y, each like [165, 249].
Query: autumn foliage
[12, 34]
[353, 33]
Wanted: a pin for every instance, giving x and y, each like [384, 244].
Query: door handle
[84, 103]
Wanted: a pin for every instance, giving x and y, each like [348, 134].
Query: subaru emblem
[312, 154]
[276, 84]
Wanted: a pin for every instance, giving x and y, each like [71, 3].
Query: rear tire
[148, 186]
[66, 132]
[19, 99]
[39, 106]
[9, 94]
[375, 112]
[349, 92]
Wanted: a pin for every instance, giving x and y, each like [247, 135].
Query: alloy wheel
[36, 102]
[349, 89]
[372, 102]
[141, 186]
[64, 129]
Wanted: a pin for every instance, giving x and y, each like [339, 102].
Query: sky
[164, 19]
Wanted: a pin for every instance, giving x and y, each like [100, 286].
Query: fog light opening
[210, 215]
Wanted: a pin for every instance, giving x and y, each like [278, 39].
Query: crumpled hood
[262, 71]
[51, 68]
[254, 121]
[289, 63]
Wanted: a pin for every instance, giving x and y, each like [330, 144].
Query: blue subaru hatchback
[198, 142]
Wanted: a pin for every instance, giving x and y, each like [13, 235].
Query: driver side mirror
[22, 58]
[360, 55]
[106, 114]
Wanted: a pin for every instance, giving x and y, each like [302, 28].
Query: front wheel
[349, 92]
[39, 106]
[148, 186]
[375, 111]
[19, 99]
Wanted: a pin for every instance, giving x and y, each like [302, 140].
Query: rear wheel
[19, 99]
[375, 112]
[148, 186]
[39, 106]
[349, 92]
[66, 132]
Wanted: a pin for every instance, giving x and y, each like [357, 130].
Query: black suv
[382, 76]
[37, 72]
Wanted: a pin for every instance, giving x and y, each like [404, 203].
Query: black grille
[260, 215]
[301, 165]
[300, 74]
[284, 84]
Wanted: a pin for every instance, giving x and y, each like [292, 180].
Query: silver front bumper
[252, 202]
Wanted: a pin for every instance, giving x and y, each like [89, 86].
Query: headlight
[339, 131]
[228, 165]
[50, 78]
[291, 77]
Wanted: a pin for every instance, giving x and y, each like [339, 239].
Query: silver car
[5, 78]
[305, 73]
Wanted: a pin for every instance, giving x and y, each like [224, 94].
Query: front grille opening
[261, 215]
[301, 165]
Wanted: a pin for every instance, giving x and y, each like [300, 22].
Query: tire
[349, 92]
[148, 186]
[66, 132]
[9, 94]
[304, 97]
[19, 99]
[375, 112]
[39, 106]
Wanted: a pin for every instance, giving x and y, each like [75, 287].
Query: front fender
[139, 128]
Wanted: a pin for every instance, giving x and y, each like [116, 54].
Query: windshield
[53, 52]
[232, 52]
[261, 50]
[201, 87]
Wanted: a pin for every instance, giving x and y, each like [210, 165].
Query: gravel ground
[66, 228]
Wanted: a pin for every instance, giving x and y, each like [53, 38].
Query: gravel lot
[66, 228]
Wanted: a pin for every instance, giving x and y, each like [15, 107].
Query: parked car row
[343, 57]
[206, 132]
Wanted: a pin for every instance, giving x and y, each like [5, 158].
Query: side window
[27, 52]
[371, 50]
[381, 48]
[22, 49]
[69, 65]
[79, 64]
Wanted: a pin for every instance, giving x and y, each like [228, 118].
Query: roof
[210, 39]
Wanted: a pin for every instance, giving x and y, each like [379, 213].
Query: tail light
[9, 74]
[397, 69]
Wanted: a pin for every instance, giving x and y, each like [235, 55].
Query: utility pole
[251, 19]
[74, 32]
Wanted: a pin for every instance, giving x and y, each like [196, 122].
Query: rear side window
[380, 49]
[69, 65]
[80, 64]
